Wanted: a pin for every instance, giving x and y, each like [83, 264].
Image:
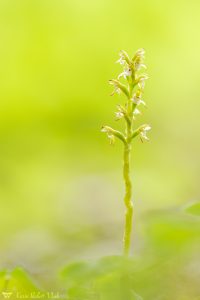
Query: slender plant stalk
[133, 92]
[127, 200]
[127, 179]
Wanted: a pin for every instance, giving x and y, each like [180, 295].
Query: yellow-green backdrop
[60, 182]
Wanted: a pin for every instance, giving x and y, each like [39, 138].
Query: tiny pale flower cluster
[133, 90]
[109, 133]
[143, 132]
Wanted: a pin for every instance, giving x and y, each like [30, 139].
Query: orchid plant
[133, 90]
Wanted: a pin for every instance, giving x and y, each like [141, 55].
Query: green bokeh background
[61, 186]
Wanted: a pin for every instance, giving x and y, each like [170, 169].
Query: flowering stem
[133, 92]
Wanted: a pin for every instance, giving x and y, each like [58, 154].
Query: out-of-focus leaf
[107, 279]
[16, 284]
[171, 232]
[78, 271]
[194, 209]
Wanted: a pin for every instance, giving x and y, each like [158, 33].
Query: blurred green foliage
[16, 284]
[60, 182]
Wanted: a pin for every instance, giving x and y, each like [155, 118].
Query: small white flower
[137, 112]
[141, 81]
[108, 131]
[121, 61]
[138, 59]
[126, 73]
[119, 115]
[139, 56]
[141, 102]
[143, 135]
[143, 77]
[141, 85]
[137, 98]
[104, 129]
[111, 139]
[117, 90]
[140, 52]
[138, 65]
[147, 127]
[116, 87]
[143, 132]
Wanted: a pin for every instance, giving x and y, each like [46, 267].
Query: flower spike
[133, 90]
